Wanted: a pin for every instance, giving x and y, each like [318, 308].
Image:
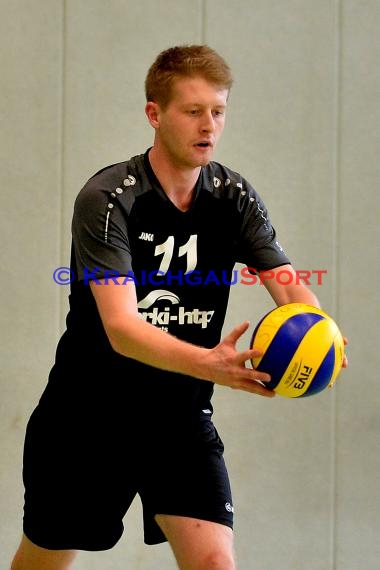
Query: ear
[152, 111]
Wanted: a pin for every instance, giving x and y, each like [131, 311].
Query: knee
[218, 560]
[32, 557]
[16, 562]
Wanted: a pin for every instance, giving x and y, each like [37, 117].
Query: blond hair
[185, 61]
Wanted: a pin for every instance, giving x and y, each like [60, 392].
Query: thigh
[198, 544]
[76, 489]
[186, 476]
[32, 557]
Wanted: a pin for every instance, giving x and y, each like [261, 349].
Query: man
[127, 409]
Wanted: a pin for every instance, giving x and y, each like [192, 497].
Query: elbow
[118, 337]
[115, 343]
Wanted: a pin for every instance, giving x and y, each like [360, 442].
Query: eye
[193, 112]
[218, 113]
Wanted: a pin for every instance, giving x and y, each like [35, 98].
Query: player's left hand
[345, 359]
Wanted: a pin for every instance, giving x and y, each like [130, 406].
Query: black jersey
[182, 264]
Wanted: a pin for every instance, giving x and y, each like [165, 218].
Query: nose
[208, 124]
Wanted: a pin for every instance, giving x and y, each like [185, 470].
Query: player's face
[191, 124]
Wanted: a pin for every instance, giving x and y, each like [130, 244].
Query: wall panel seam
[336, 261]
[63, 292]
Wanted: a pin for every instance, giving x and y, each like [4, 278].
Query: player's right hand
[227, 366]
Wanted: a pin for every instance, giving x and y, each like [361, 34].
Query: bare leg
[198, 544]
[32, 557]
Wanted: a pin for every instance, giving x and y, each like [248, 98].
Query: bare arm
[293, 292]
[135, 338]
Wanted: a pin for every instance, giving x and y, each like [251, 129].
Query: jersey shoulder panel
[225, 183]
[257, 245]
[101, 216]
[116, 178]
[114, 186]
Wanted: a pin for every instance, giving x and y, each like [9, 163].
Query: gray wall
[303, 127]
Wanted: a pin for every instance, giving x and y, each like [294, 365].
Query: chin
[204, 160]
[196, 160]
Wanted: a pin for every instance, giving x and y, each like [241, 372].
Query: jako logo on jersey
[146, 237]
[164, 318]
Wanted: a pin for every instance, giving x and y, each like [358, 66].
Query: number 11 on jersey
[166, 249]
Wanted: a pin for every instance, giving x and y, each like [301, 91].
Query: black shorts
[81, 476]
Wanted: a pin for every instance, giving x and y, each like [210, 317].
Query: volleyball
[302, 350]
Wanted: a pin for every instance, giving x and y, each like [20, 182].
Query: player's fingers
[254, 387]
[262, 376]
[248, 354]
[345, 359]
[236, 333]
[253, 375]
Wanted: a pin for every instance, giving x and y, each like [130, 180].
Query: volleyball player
[128, 408]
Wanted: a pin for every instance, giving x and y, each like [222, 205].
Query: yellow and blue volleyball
[302, 349]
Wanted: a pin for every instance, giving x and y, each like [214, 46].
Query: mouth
[204, 144]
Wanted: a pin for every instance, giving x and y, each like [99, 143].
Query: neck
[178, 183]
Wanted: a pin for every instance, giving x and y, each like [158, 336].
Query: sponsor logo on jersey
[157, 295]
[163, 317]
